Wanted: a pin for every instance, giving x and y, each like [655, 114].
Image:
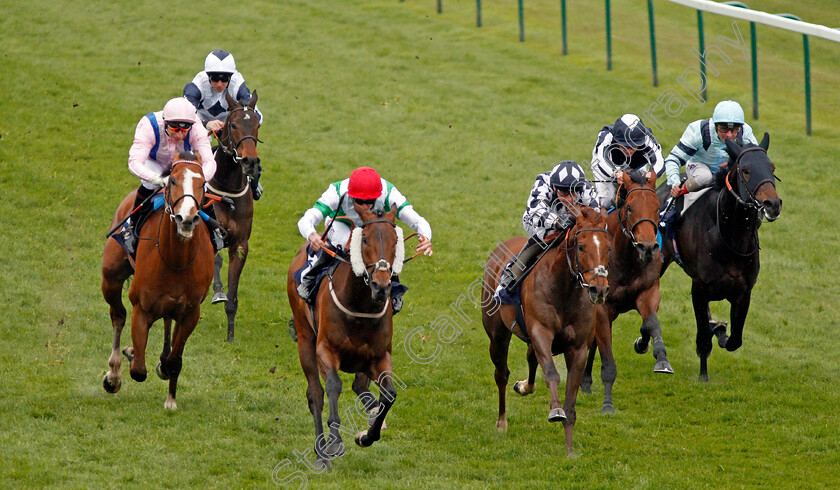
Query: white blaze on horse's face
[187, 208]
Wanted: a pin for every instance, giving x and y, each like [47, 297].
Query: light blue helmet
[728, 111]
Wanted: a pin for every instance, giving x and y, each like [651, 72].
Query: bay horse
[634, 280]
[351, 329]
[717, 241]
[237, 161]
[174, 268]
[558, 300]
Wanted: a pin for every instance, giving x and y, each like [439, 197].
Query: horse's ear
[253, 102]
[232, 104]
[651, 181]
[732, 149]
[765, 142]
[392, 216]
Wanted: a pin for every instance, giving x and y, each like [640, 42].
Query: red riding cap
[364, 184]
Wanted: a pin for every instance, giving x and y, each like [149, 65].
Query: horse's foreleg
[218, 288]
[586, 379]
[704, 333]
[161, 367]
[541, 340]
[140, 324]
[382, 372]
[314, 390]
[172, 364]
[112, 291]
[609, 372]
[237, 255]
[738, 316]
[575, 362]
[499, 346]
[527, 386]
[333, 447]
[647, 304]
[361, 387]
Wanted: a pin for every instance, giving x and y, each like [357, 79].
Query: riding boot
[131, 229]
[315, 264]
[256, 187]
[515, 270]
[217, 234]
[397, 291]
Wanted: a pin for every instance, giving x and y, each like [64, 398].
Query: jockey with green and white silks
[702, 149]
[367, 189]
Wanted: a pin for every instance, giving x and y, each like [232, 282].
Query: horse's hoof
[663, 366]
[641, 346]
[219, 297]
[333, 451]
[325, 463]
[170, 404]
[161, 374]
[362, 439]
[501, 425]
[128, 352]
[556, 415]
[608, 409]
[703, 378]
[523, 388]
[109, 387]
[720, 332]
[586, 386]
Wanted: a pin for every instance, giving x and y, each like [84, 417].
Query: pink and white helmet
[179, 109]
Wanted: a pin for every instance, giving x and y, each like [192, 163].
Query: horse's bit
[600, 271]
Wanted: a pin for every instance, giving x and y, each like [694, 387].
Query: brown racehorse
[237, 161]
[634, 280]
[718, 242]
[352, 328]
[174, 268]
[558, 298]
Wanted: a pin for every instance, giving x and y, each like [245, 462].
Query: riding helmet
[179, 109]
[364, 184]
[219, 61]
[567, 175]
[629, 131]
[728, 112]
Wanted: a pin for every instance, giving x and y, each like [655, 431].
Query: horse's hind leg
[586, 379]
[388, 394]
[527, 386]
[499, 345]
[575, 362]
[218, 288]
[647, 305]
[609, 372]
[236, 262]
[704, 332]
[361, 387]
[112, 291]
[738, 316]
[541, 339]
[161, 369]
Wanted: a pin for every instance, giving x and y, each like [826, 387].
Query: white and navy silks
[608, 159]
[543, 208]
[336, 203]
[211, 105]
[702, 152]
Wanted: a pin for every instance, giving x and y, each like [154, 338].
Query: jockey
[371, 192]
[551, 206]
[207, 94]
[702, 149]
[158, 138]
[626, 145]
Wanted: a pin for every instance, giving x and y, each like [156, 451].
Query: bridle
[624, 221]
[382, 264]
[170, 206]
[231, 149]
[600, 270]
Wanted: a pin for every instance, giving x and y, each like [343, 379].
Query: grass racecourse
[461, 119]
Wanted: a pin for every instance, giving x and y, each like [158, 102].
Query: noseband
[600, 271]
[368, 270]
[625, 220]
[167, 191]
[745, 195]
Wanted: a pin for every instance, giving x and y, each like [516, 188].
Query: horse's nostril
[195, 219]
[179, 219]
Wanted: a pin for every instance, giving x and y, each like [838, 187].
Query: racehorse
[237, 161]
[558, 299]
[717, 242]
[351, 328]
[174, 268]
[634, 280]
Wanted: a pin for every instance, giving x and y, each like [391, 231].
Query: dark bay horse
[634, 280]
[558, 298]
[237, 161]
[174, 268]
[351, 330]
[717, 240]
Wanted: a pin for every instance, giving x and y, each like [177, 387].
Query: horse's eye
[580, 248]
[364, 240]
[173, 181]
[233, 126]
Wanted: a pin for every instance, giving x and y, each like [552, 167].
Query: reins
[623, 222]
[168, 210]
[749, 202]
[229, 147]
[600, 271]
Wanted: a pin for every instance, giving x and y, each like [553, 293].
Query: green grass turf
[461, 119]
